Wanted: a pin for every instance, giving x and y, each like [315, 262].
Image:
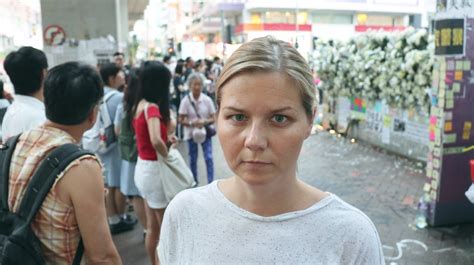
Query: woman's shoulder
[192, 198]
[348, 217]
[195, 194]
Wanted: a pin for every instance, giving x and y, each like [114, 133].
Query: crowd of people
[261, 105]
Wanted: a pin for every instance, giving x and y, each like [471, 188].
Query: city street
[384, 186]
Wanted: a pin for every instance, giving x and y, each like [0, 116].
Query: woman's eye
[279, 118]
[238, 117]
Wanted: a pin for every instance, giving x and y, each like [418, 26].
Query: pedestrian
[180, 93]
[114, 78]
[4, 104]
[189, 65]
[152, 124]
[74, 208]
[264, 213]
[27, 69]
[128, 148]
[197, 111]
[214, 73]
[119, 60]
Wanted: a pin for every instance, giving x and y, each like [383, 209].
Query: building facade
[301, 22]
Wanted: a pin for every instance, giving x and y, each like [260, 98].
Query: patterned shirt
[55, 224]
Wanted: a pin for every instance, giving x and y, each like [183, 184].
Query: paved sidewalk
[386, 187]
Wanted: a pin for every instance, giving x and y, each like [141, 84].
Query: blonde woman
[264, 213]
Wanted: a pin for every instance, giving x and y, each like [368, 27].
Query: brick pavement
[385, 186]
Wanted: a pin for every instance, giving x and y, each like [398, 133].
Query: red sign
[54, 35]
[364, 28]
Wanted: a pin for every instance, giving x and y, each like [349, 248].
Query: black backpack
[18, 244]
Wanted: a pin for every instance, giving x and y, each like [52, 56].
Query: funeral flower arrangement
[395, 67]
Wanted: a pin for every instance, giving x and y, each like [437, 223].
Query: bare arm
[155, 136]
[86, 188]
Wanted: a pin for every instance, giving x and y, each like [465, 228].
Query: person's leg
[119, 202]
[159, 213]
[110, 204]
[139, 207]
[207, 150]
[193, 155]
[153, 230]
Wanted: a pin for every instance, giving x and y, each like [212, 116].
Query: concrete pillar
[87, 30]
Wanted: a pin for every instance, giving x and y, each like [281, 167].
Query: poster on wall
[450, 36]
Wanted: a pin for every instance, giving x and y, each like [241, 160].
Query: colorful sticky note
[433, 120]
[436, 163]
[437, 152]
[449, 104]
[432, 136]
[458, 75]
[467, 65]
[448, 115]
[459, 65]
[434, 184]
[442, 93]
[448, 126]
[435, 174]
[442, 66]
[456, 87]
[441, 103]
[387, 121]
[449, 79]
[442, 86]
[449, 138]
[427, 187]
[466, 135]
[449, 95]
[450, 65]
[467, 126]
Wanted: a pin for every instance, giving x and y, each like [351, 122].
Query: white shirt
[24, 114]
[201, 226]
[205, 107]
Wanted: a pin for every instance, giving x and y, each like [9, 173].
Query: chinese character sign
[449, 37]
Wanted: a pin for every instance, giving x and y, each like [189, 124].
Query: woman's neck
[270, 199]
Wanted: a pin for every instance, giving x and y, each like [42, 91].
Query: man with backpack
[55, 191]
[102, 140]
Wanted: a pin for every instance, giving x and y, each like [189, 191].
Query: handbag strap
[145, 109]
[194, 107]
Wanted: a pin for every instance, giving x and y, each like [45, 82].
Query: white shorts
[148, 182]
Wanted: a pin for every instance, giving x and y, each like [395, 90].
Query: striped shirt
[55, 224]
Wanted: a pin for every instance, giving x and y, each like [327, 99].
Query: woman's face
[261, 126]
[196, 87]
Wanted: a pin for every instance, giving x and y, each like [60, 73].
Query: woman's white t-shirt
[201, 226]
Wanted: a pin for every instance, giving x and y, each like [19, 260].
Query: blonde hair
[268, 55]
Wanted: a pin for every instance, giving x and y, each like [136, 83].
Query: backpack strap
[44, 178]
[6, 152]
[42, 181]
[105, 114]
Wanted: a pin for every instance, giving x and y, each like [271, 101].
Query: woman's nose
[256, 137]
